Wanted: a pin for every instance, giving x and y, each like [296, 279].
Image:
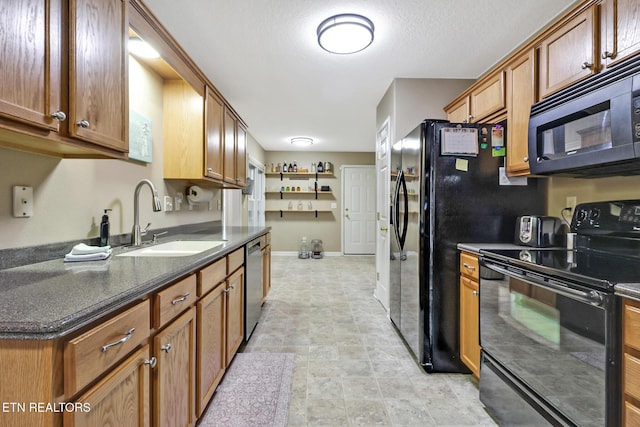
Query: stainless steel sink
[175, 248]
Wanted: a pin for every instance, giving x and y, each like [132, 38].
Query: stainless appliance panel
[253, 287]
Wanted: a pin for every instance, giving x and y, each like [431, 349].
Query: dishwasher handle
[253, 246]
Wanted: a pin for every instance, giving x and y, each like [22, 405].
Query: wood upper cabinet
[120, 399]
[214, 153]
[174, 375]
[31, 35]
[520, 97]
[241, 155]
[459, 112]
[470, 312]
[230, 144]
[486, 98]
[619, 30]
[568, 54]
[98, 72]
[82, 112]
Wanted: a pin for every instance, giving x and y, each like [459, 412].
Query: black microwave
[591, 129]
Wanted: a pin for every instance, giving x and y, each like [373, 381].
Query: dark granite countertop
[50, 299]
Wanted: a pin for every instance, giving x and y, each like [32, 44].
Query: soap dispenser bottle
[104, 229]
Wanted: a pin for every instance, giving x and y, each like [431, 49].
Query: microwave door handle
[591, 297]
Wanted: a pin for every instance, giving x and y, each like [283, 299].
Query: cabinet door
[30, 66]
[174, 379]
[266, 271]
[98, 70]
[120, 399]
[459, 112]
[229, 147]
[469, 325]
[619, 30]
[241, 155]
[214, 153]
[210, 352]
[487, 98]
[235, 313]
[568, 54]
[520, 97]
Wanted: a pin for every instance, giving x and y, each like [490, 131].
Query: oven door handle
[590, 297]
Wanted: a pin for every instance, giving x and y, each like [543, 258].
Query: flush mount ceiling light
[301, 141]
[142, 49]
[345, 33]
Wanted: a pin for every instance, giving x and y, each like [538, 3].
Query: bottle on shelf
[295, 166]
[290, 169]
[319, 167]
[313, 167]
[278, 168]
[285, 168]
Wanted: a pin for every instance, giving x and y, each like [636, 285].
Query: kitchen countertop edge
[31, 330]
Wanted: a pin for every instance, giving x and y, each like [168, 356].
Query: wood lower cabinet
[568, 54]
[235, 313]
[211, 349]
[520, 97]
[470, 312]
[619, 30]
[174, 375]
[630, 362]
[120, 399]
[266, 268]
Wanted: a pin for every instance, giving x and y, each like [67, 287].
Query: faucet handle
[146, 229]
[156, 235]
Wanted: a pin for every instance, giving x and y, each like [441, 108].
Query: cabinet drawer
[632, 376]
[469, 265]
[267, 239]
[235, 260]
[631, 324]
[631, 414]
[95, 351]
[174, 300]
[210, 276]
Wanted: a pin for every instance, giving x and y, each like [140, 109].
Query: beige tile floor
[352, 368]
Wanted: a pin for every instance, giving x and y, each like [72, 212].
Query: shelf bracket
[280, 213]
[316, 213]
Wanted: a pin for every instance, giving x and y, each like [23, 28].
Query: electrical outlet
[22, 201]
[571, 203]
[168, 203]
[178, 202]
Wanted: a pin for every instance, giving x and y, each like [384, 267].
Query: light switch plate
[168, 203]
[22, 201]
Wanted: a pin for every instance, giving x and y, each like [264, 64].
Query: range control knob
[594, 214]
[581, 215]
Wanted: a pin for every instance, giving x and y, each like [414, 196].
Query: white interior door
[359, 204]
[383, 162]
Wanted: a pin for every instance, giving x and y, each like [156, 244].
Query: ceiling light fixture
[301, 141]
[346, 33]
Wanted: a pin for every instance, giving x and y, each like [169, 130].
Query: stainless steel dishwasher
[253, 287]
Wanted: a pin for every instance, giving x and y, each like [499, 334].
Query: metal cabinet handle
[83, 124]
[123, 340]
[59, 116]
[606, 54]
[166, 348]
[526, 159]
[229, 289]
[586, 65]
[470, 267]
[475, 293]
[182, 298]
[151, 362]
[384, 228]
[209, 169]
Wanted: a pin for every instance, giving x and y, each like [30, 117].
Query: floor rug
[254, 392]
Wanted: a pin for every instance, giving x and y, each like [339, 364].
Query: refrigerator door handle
[403, 236]
[395, 212]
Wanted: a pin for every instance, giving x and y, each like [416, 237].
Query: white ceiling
[264, 58]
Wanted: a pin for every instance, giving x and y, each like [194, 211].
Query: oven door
[557, 342]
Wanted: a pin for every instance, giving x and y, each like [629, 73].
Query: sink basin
[175, 248]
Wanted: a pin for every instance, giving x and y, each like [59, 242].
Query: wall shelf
[317, 175]
[298, 193]
[298, 211]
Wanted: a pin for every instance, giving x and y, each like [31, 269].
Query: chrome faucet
[136, 234]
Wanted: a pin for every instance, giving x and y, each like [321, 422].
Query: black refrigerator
[445, 190]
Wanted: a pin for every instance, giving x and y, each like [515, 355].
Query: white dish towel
[83, 252]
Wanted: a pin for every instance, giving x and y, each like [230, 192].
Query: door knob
[384, 228]
[347, 216]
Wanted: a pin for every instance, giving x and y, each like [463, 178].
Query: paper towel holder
[197, 194]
